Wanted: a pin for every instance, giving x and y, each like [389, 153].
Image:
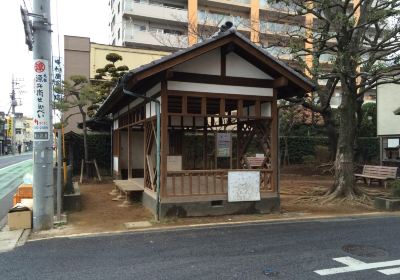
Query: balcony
[157, 39]
[236, 5]
[159, 12]
[214, 19]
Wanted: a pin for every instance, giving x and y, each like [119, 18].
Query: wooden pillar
[129, 153]
[239, 142]
[119, 153]
[205, 144]
[164, 137]
[145, 171]
[274, 142]
[192, 22]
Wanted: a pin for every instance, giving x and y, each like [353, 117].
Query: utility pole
[43, 193]
[14, 104]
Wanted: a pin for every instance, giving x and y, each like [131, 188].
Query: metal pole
[43, 193]
[59, 162]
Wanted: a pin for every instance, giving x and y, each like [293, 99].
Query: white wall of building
[388, 100]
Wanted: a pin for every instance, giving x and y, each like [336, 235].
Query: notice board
[243, 186]
[223, 143]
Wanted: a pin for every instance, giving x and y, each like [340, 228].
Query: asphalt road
[9, 160]
[12, 171]
[264, 251]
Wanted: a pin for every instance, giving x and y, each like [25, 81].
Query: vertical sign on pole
[9, 127]
[41, 104]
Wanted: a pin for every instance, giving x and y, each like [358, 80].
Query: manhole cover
[364, 251]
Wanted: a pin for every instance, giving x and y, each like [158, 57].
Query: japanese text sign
[41, 102]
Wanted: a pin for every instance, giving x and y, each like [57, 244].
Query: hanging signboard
[243, 186]
[41, 102]
[223, 144]
[9, 126]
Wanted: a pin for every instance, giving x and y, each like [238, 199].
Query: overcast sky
[88, 18]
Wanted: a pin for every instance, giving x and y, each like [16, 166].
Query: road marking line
[349, 261]
[356, 265]
[390, 271]
[13, 165]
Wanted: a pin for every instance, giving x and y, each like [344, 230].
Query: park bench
[255, 162]
[127, 186]
[377, 173]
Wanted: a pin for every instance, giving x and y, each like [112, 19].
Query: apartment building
[175, 24]
[169, 24]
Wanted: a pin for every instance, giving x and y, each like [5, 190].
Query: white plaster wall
[115, 164]
[154, 90]
[123, 110]
[151, 108]
[209, 63]
[388, 100]
[137, 139]
[266, 109]
[123, 152]
[115, 124]
[135, 102]
[238, 67]
[239, 90]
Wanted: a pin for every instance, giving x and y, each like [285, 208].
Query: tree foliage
[362, 40]
[106, 78]
[77, 93]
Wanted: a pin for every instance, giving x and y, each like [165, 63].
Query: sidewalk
[11, 239]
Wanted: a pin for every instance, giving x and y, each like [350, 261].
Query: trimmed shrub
[395, 187]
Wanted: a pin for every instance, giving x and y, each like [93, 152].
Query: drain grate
[364, 251]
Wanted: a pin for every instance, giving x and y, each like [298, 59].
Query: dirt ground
[101, 214]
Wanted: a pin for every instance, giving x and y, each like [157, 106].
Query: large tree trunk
[85, 145]
[331, 133]
[344, 185]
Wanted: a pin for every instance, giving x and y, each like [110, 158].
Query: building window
[119, 7]
[119, 33]
[17, 131]
[138, 27]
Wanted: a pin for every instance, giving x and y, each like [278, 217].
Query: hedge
[299, 147]
[99, 148]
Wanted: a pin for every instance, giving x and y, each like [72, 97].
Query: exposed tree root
[359, 196]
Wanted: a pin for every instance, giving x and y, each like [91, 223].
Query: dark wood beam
[219, 80]
[280, 82]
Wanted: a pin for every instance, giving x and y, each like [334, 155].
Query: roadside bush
[309, 159]
[367, 149]
[395, 187]
[322, 154]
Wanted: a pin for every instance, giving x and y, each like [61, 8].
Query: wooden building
[219, 127]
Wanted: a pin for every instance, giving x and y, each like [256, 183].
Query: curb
[23, 238]
[321, 218]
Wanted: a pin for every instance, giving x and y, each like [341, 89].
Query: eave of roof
[117, 94]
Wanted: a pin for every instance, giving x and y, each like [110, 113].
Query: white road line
[349, 261]
[13, 165]
[355, 265]
[390, 271]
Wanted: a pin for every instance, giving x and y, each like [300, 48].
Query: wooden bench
[127, 186]
[255, 162]
[377, 173]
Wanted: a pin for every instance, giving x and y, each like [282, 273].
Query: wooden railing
[208, 182]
